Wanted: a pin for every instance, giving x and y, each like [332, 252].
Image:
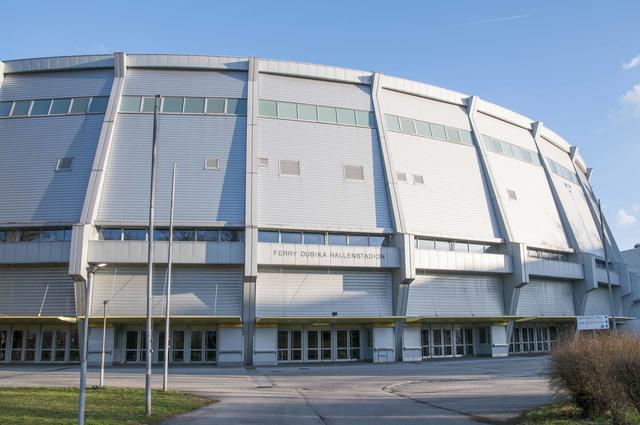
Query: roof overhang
[37, 319]
[453, 319]
[325, 320]
[185, 320]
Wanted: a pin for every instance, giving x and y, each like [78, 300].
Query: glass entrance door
[4, 336]
[348, 344]
[289, 345]
[319, 345]
[464, 342]
[442, 342]
[53, 346]
[23, 347]
[203, 346]
[135, 346]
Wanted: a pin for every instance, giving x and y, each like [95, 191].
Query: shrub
[600, 372]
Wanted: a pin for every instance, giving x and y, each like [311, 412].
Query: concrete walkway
[435, 392]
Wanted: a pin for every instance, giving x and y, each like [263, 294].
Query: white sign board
[586, 323]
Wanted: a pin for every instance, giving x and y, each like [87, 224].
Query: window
[353, 172]
[134, 234]
[289, 167]
[359, 240]
[21, 108]
[110, 234]
[327, 114]
[52, 235]
[426, 244]
[267, 108]
[5, 108]
[392, 122]
[128, 104]
[98, 105]
[60, 106]
[365, 119]
[160, 234]
[237, 106]
[268, 236]
[215, 106]
[465, 137]
[172, 104]
[438, 132]
[422, 129]
[30, 235]
[402, 177]
[291, 237]
[8, 235]
[263, 162]
[64, 164]
[461, 247]
[307, 112]
[477, 248]
[184, 235]
[194, 105]
[337, 239]
[314, 238]
[40, 107]
[443, 246]
[346, 116]
[231, 235]
[453, 134]
[287, 110]
[512, 195]
[207, 235]
[80, 105]
[483, 336]
[417, 179]
[211, 164]
[407, 126]
[378, 241]
[149, 104]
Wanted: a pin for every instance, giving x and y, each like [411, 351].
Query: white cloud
[631, 100]
[626, 219]
[636, 208]
[632, 63]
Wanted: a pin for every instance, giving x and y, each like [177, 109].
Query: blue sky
[561, 62]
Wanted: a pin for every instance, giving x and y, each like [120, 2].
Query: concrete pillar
[411, 344]
[265, 347]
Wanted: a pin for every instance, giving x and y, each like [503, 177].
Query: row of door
[185, 345]
[39, 344]
[533, 339]
[319, 345]
[447, 341]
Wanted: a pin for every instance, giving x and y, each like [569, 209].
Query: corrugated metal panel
[195, 291]
[317, 92]
[59, 62]
[423, 109]
[186, 61]
[320, 293]
[95, 82]
[504, 131]
[533, 217]
[321, 197]
[201, 195]
[422, 89]
[546, 298]
[324, 72]
[454, 201]
[598, 302]
[185, 83]
[449, 295]
[31, 189]
[36, 292]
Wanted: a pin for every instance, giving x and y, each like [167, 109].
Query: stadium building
[322, 214]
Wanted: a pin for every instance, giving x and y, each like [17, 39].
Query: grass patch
[59, 406]
[567, 414]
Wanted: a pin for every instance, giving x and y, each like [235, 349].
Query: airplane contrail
[506, 18]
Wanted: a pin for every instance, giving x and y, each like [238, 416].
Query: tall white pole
[606, 264]
[85, 346]
[104, 340]
[152, 199]
[165, 378]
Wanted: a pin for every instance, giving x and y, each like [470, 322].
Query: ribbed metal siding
[449, 295]
[598, 302]
[420, 108]
[546, 298]
[36, 292]
[186, 83]
[201, 195]
[316, 92]
[56, 84]
[454, 200]
[30, 188]
[320, 197]
[195, 291]
[320, 293]
[504, 131]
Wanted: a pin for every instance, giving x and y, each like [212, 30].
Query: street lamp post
[85, 340]
[104, 340]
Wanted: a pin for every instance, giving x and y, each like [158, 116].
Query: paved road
[443, 392]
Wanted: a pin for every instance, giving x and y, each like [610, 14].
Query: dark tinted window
[110, 233]
[134, 234]
[208, 235]
[268, 236]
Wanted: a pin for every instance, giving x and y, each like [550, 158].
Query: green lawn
[58, 406]
[565, 414]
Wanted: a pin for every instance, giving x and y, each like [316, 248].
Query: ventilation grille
[417, 179]
[512, 195]
[289, 167]
[353, 172]
[263, 162]
[64, 164]
[402, 177]
[211, 163]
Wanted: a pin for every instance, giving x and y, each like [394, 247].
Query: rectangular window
[52, 235]
[378, 241]
[110, 234]
[80, 105]
[30, 235]
[465, 137]
[64, 164]
[172, 104]
[60, 106]
[160, 234]
[8, 235]
[231, 235]
[98, 105]
[443, 246]
[207, 235]
[134, 234]
[418, 179]
[268, 236]
[263, 162]
[422, 129]
[267, 108]
[311, 238]
[5, 108]
[393, 124]
[327, 114]
[307, 112]
[402, 177]
[461, 247]
[291, 237]
[127, 104]
[148, 104]
[21, 108]
[40, 107]
[337, 239]
[184, 235]
[453, 134]
[289, 167]
[438, 132]
[426, 244]
[215, 106]
[346, 116]
[194, 105]
[237, 106]
[353, 172]
[406, 125]
[359, 240]
[287, 110]
[476, 248]
[365, 119]
[211, 163]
